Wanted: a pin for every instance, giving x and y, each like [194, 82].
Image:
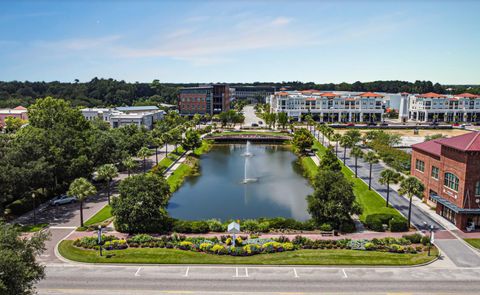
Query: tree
[389, 176]
[129, 164]
[81, 189]
[196, 119]
[332, 201]
[143, 153]
[302, 140]
[356, 153]
[330, 162]
[371, 158]
[107, 173]
[336, 137]
[141, 205]
[355, 136]
[13, 124]
[19, 270]
[346, 142]
[192, 140]
[411, 187]
[282, 119]
[166, 138]
[309, 119]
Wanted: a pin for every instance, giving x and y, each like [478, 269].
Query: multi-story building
[18, 112]
[329, 106]
[121, 116]
[433, 107]
[253, 93]
[208, 99]
[449, 169]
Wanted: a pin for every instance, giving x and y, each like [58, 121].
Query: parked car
[372, 124]
[62, 200]
[254, 125]
[260, 122]
[384, 124]
[350, 124]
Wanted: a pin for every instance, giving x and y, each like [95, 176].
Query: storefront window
[477, 188]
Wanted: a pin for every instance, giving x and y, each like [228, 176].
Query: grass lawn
[309, 166]
[33, 228]
[102, 215]
[299, 257]
[176, 179]
[172, 156]
[204, 148]
[269, 133]
[371, 202]
[474, 242]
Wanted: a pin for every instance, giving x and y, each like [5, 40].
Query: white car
[61, 200]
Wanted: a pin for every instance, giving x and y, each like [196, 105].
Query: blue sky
[235, 41]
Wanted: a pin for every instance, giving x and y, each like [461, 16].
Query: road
[456, 250]
[250, 116]
[100, 279]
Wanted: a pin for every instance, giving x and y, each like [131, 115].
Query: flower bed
[245, 246]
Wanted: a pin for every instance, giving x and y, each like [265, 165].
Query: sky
[240, 41]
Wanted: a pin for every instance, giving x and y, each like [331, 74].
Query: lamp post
[100, 239]
[430, 240]
[34, 210]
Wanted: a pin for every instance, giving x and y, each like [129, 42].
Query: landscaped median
[176, 249]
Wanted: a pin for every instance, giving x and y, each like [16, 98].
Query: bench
[329, 233]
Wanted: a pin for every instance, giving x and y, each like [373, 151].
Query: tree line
[110, 92]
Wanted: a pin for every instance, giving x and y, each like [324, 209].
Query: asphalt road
[460, 254]
[256, 280]
[250, 116]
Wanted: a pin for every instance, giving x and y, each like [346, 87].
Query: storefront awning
[454, 207]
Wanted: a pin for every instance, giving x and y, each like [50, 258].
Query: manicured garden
[99, 217]
[301, 250]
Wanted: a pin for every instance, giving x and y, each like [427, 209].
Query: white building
[329, 106]
[433, 107]
[121, 116]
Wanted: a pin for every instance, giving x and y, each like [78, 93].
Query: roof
[467, 95]
[431, 147]
[404, 93]
[469, 142]
[137, 108]
[310, 98]
[282, 93]
[20, 108]
[431, 95]
[370, 94]
[329, 94]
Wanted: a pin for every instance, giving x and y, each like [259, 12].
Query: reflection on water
[219, 191]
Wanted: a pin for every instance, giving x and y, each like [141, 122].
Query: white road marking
[295, 272]
[344, 273]
[246, 272]
[137, 274]
[236, 273]
[186, 272]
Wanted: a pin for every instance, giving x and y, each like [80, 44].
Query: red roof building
[431, 95]
[450, 170]
[370, 94]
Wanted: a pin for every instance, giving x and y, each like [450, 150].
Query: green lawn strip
[474, 242]
[309, 167]
[176, 179]
[226, 133]
[170, 158]
[33, 228]
[371, 201]
[102, 215]
[204, 148]
[299, 257]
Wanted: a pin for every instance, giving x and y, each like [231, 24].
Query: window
[451, 181]
[420, 165]
[477, 188]
[435, 172]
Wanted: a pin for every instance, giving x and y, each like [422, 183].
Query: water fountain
[247, 155]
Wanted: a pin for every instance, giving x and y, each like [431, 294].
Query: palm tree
[166, 138]
[328, 132]
[345, 142]
[309, 119]
[157, 142]
[107, 173]
[388, 176]
[411, 187]
[130, 164]
[81, 189]
[357, 153]
[371, 158]
[336, 137]
[143, 153]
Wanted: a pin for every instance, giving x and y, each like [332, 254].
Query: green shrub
[252, 249]
[205, 247]
[141, 238]
[250, 225]
[215, 225]
[395, 248]
[348, 227]
[186, 245]
[413, 238]
[425, 240]
[186, 226]
[370, 246]
[288, 246]
[228, 241]
[326, 227]
[115, 245]
[398, 224]
[375, 222]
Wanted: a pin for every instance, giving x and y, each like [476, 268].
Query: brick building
[450, 170]
[209, 99]
[18, 112]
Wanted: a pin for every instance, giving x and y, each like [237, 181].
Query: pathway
[456, 249]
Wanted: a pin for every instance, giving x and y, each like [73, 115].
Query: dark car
[372, 124]
[254, 125]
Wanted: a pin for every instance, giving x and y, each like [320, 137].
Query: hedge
[395, 223]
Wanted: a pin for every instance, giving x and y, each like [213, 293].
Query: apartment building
[448, 168]
[434, 107]
[207, 99]
[329, 106]
[253, 94]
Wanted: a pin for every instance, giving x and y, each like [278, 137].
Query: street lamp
[430, 240]
[34, 210]
[100, 239]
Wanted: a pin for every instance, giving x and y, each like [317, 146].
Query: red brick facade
[464, 164]
[195, 103]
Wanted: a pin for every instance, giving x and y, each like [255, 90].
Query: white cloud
[281, 21]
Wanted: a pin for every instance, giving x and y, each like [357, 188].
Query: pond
[239, 181]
